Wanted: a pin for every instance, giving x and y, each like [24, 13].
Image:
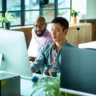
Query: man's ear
[45, 24]
[65, 31]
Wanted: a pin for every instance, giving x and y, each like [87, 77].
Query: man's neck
[59, 45]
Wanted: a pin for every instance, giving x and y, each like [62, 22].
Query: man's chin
[54, 40]
[39, 35]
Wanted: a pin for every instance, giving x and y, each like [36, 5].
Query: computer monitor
[15, 56]
[78, 70]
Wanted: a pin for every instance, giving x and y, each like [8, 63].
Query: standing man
[40, 37]
[49, 54]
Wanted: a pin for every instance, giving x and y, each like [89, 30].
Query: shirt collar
[54, 45]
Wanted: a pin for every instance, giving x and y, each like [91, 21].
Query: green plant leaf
[74, 13]
[6, 18]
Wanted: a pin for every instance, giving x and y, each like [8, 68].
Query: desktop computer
[14, 60]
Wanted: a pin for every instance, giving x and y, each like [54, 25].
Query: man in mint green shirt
[49, 54]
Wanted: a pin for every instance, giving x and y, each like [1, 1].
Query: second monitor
[78, 70]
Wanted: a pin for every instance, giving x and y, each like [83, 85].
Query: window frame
[22, 11]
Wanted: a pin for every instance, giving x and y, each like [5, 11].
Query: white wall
[91, 9]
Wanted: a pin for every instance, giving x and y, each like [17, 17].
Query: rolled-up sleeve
[39, 61]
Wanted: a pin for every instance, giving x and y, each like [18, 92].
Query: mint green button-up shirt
[44, 57]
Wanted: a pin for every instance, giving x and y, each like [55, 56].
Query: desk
[91, 45]
[28, 89]
[76, 93]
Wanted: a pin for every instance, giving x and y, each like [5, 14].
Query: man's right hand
[32, 58]
[32, 70]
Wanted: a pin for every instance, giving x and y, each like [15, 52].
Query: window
[31, 4]
[49, 9]
[47, 16]
[64, 8]
[11, 6]
[64, 13]
[0, 17]
[17, 20]
[26, 11]
[0, 11]
[30, 17]
[14, 8]
[0, 5]
[76, 4]
[63, 3]
[31, 11]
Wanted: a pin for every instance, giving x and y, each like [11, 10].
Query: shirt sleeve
[49, 41]
[39, 61]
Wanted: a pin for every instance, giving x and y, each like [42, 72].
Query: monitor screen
[15, 56]
[78, 70]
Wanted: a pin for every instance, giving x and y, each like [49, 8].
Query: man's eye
[57, 30]
[51, 29]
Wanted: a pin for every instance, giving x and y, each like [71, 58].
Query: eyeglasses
[39, 26]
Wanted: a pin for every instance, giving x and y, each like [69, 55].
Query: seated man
[49, 54]
[40, 37]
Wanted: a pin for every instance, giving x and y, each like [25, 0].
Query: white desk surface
[91, 45]
[27, 88]
[28, 85]
[76, 92]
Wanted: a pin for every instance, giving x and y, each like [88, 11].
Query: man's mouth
[38, 32]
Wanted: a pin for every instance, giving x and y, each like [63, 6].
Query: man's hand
[32, 58]
[32, 69]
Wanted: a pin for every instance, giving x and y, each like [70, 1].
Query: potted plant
[74, 14]
[5, 20]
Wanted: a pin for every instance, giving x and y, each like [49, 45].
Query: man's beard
[41, 34]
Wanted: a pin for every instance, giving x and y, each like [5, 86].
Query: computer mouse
[34, 79]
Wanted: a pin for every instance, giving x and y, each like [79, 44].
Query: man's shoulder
[69, 45]
[48, 33]
[47, 46]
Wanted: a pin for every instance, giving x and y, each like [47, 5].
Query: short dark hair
[64, 23]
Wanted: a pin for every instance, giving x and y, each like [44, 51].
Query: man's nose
[54, 32]
[38, 28]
